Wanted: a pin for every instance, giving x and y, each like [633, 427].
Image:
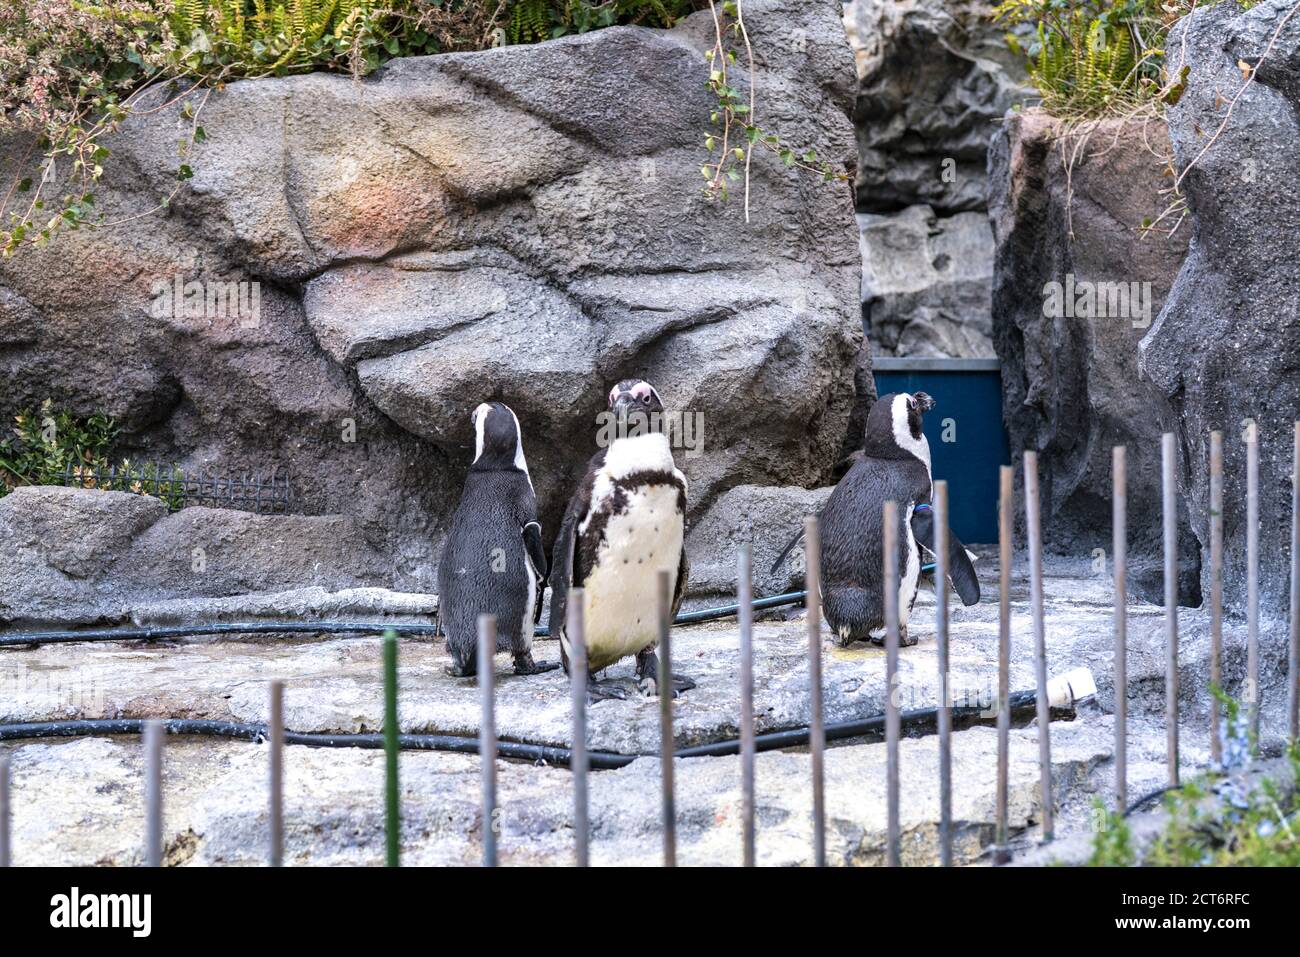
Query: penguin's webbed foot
[609, 690]
[904, 639]
[525, 665]
[649, 685]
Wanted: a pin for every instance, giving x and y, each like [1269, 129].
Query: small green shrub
[534, 20]
[46, 444]
[1216, 821]
[1111, 840]
[48, 447]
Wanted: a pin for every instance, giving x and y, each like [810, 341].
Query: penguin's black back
[486, 535]
[852, 534]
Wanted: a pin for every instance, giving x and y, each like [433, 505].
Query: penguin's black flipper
[845, 465]
[683, 573]
[960, 570]
[562, 571]
[564, 563]
[780, 559]
[532, 533]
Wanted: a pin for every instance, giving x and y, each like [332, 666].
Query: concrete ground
[79, 801]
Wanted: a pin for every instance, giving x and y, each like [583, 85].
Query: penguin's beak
[623, 404]
[923, 401]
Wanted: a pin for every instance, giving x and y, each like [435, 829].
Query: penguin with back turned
[624, 524]
[493, 561]
[894, 463]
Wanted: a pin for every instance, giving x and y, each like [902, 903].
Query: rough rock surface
[767, 519]
[934, 79]
[1226, 348]
[215, 803]
[1071, 385]
[522, 223]
[926, 283]
[81, 556]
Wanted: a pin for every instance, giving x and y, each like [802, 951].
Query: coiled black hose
[1021, 702]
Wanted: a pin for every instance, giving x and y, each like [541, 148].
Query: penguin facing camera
[625, 523]
[493, 561]
[894, 464]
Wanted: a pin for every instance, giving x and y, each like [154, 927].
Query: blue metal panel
[967, 440]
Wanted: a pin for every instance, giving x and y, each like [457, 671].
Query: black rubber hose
[519, 750]
[160, 632]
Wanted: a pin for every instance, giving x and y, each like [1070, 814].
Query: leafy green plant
[534, 20]
[45, 444]
[55, 447]
[1111, 840]
[736, 132]
[1235, 827]
[79, 69]
[1090, 57]
[1217, 820]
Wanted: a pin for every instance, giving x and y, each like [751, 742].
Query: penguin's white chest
[622, 590]
[909, 575]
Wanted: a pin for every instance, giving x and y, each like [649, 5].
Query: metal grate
[249, 492]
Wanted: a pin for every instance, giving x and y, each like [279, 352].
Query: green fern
[1089, 57]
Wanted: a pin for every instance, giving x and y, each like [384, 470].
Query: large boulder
[1225, 350]
[1070, 380]
[82, 556]
[523, 223]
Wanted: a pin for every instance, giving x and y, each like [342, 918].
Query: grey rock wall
[524, 224]
[934, 80]
[1226, 349]
[1071, 385]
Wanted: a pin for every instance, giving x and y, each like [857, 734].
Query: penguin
[894, 463]
[624, 524]
[493, 561]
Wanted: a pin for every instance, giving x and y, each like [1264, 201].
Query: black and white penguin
[625, 523]
[493, 561]
[894, 463]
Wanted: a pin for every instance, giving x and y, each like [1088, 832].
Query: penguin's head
[635, 401]
[894, 426]
[497, 439]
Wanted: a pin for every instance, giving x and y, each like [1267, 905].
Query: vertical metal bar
[153, 796]
[941, 653]
[578, 764]
[392, 794]
[1216, 590]
[1169, 511]
[1006, 501]
[1252, 579]
[745, 601]
[1293, 696]
[6, 812]
[666, 718]
[487, 734]
[889, 519]
[1034, 529]
[812, 545]
[1119, 573]
[275, 735]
